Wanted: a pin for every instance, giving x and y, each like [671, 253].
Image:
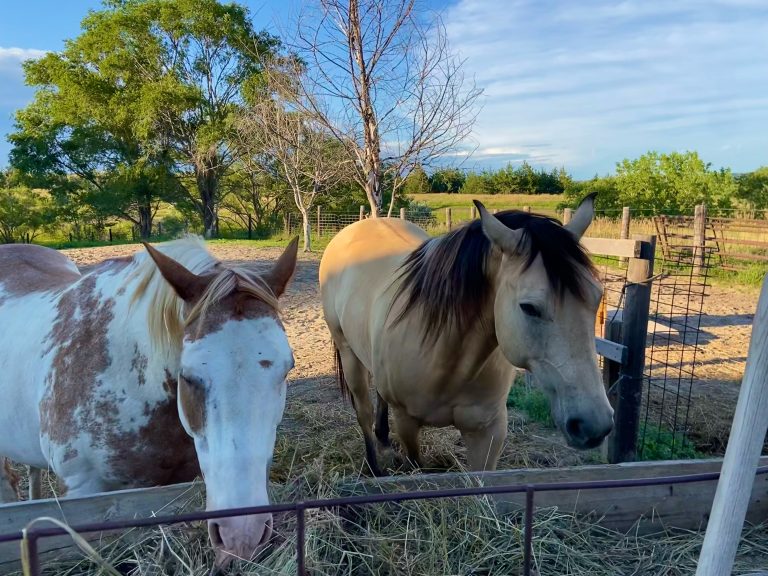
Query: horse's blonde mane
[167, 314]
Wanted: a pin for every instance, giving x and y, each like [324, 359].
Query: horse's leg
[407, 429]
[382, 420]
[9, 482]
[356, 375]
[35, 483]
[484, 443]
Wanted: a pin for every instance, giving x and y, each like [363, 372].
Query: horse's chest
[158, 452]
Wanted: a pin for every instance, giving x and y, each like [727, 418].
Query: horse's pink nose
[240, 537]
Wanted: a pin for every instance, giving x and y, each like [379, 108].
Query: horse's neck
[134, 333]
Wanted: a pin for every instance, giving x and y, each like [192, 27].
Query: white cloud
[585, 84]
[12, 58]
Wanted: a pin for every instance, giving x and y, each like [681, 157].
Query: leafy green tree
[753, 188]
[417, 182]
[148, 85]
[447, 180]
[23, 213]
[672, 183]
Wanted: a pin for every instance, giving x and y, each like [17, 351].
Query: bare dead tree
[280, 130]
[385, 84]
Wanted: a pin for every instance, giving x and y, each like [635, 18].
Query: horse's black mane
[448, 276]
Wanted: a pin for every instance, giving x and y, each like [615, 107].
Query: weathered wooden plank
[122, 504]
[745, 443]
[614, 351]
[646, 509]
[612, 247]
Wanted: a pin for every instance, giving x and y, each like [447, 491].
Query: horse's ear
[582, 218]
[505, 238]
[282, 271]
[187, 285]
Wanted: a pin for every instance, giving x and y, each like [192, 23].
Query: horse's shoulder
[26, 268]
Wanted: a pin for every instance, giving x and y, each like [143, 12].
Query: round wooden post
[625, 219]
[319, 225]
[473, 212]
[448, 222]
[637, 301]
[567, 215]
[402, 213]
[699, 237]
[362, 213]
[750, 424]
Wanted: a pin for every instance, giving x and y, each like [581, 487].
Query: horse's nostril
[267, 534]
[575, 427]
[215, 534]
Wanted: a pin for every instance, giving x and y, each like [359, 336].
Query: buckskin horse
[440, 323]
[146, 371]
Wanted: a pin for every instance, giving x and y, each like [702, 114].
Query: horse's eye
[530, 310]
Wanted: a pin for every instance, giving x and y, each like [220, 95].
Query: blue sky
[578, 84]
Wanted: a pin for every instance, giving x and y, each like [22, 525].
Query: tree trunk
[145, 221]
[307, 228]
[207, 178]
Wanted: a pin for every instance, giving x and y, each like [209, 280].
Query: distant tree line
[657, 183]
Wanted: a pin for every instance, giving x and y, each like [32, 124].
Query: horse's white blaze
[244, 398]
[245, 390]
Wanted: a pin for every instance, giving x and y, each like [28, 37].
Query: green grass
[538, 202]
[660, 443]
[531, 401]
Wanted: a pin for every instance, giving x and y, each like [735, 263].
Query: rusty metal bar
[528, 550]
[300, 539]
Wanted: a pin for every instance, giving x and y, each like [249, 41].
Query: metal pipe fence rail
[32, 535]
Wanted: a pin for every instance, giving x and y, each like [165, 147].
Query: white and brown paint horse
[439, 324]
[146, 371]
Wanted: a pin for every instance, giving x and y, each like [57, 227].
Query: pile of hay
[461, 536]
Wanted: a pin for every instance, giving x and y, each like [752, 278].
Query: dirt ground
[319, 429]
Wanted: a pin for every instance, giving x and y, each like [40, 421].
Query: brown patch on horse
[192, 400]
[238, 307]
[139, 365]
[265, 363]
[69, 454]
[26, 268]
[13, 477]
[71, 405]
[159, 453]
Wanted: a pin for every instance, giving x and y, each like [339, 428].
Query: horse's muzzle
[238, 537]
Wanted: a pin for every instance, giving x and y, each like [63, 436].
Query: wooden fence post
[527, 209]
[319, 225]
[611, 370]
[699, 237]
[625, 219]
[362, 213]
[402, 213]
[567, 215]
[637, 301]
[750, 423]
[288, 224]
[473, 212]
[448, 222]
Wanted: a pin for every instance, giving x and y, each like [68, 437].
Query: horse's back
[26, 268]
[369, 242]
[357, 267]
